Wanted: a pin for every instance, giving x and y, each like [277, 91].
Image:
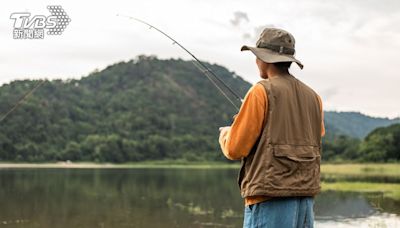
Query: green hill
[354, 124]
[382, 144]
[142, 109]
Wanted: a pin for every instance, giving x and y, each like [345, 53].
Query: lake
[159, 197]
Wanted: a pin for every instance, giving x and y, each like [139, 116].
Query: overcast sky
[350, 49]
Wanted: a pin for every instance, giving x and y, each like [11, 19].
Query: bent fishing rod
[203, 68]
[23, 98]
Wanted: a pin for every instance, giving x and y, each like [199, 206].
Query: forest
[153, 109]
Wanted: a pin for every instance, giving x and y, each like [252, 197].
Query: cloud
[253, 37]
[238, 17]
[249, 32]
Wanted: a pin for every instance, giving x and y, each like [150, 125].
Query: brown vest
[285, 160]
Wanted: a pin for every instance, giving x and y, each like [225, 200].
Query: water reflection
[151, 198]
[339, 205]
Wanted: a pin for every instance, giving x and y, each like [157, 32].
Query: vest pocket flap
[296, 152]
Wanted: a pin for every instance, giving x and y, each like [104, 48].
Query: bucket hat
[274, 46]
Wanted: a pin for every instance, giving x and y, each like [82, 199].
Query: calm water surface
[52, 198]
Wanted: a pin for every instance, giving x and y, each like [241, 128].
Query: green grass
[379, 170]
[368, 169]
[389, 190]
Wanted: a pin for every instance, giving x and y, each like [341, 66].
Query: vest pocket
[296, 153]
[295, 167]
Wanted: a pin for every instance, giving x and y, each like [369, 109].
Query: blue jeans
[290, 212]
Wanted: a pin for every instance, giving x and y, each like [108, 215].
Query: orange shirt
[237, 141]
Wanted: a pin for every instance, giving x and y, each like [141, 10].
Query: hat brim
[269, 56]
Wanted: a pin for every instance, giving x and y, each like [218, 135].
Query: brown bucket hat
[274, 46]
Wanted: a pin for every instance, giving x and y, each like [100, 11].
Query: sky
[349, 48]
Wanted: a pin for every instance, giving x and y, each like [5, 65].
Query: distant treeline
[144, 109]
[381, 145]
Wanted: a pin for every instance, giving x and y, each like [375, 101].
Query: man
[277, 134]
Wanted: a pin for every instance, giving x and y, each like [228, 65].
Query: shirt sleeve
[322, 115]
[237, 141]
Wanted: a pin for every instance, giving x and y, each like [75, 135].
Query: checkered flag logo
[62, 20]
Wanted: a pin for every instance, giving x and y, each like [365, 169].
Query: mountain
[353, 124]
[145, 108]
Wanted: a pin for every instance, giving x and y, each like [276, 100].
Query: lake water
[66, 198]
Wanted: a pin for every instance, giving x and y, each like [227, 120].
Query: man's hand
[221, 128]
[223, 131]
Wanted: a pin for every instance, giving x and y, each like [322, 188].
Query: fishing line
[203, 68]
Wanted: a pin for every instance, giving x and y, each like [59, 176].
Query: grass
[368, 169]
[389, 190]
[378, 170]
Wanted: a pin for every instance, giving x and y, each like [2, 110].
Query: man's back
[286, 159]
[296, 111]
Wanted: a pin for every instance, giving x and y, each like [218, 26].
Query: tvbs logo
[28, 27]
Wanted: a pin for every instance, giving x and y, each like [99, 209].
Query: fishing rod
[203, 68]
[24, 97]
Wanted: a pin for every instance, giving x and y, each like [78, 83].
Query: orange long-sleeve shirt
[237, 141]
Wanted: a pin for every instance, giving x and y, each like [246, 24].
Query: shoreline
[335, 171]
[92, 165]
[391, 169]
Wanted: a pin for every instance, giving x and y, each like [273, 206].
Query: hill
[142, 109]
[354, 124]
[382, 144]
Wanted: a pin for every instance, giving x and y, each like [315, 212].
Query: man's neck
[273, 72]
